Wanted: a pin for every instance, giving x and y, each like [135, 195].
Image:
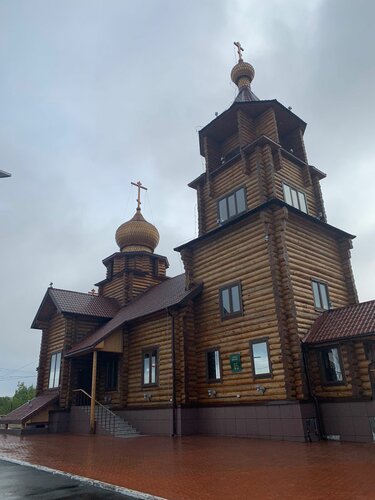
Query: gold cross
[139, 186]
[239, 50]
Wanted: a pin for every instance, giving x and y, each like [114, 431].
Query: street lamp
[4, 174]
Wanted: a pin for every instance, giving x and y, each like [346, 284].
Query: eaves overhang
[218, 126]
[274, 202]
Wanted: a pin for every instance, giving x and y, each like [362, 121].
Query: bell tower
[135, 267]
[269, 261]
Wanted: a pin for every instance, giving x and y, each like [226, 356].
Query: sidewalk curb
[93, 482]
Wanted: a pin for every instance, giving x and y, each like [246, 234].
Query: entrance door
[84, 378]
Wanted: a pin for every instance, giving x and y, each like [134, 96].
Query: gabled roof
[167, 294]
[69, 302]
[29, 409]
[348, 322]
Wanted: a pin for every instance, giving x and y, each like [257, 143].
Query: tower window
[150, 366]
[331, 365]
[295, 198]
[213, 365]
[54, 371]
[321, 297]
[232, 205]
[231, 300]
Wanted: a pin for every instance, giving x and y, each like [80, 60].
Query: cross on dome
[139, 186]
[239, 50]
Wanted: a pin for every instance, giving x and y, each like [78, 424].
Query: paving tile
[205, 468]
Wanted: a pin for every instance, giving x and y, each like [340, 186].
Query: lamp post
[4, 174]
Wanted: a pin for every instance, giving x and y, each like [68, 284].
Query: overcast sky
[96, 94]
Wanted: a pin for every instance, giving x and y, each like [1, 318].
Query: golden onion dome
[137, 235]
[242, 73]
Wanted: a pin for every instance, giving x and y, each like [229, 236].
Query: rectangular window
[230, 300]
[232, 205]
[54, 370]
[213, 365]
[150, 366]
[331, 365]
[260, 358]
[111, 374]
[320, 293]
[295, 198]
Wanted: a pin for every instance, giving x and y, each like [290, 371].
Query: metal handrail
[113, 416]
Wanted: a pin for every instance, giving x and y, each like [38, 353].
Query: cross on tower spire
[239, 50]
[139, 186]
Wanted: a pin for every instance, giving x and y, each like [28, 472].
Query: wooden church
[262, 336]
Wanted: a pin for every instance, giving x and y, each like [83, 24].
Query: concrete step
[112, 423]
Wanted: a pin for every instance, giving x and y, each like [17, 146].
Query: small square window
[150, 366]
[230, 300]
[213, 365]
[260, 358]
[321, 297]
[331, 365]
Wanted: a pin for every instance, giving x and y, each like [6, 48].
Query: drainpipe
[173, 349]
[314, 398]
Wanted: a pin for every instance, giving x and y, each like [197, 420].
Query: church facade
[262, 336]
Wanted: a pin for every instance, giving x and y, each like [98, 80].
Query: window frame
[226, 198]
[107, 387]
[213, 380]
[299, 192]
[150, 350]
[264, 340]
[54, 386]
[323, 377]
[325, 285]
[231, 314]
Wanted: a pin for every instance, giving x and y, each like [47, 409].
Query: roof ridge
[79, 293]
[349, 306]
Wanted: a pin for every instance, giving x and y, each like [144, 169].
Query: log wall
[293, 175]
[154, 331]
[241, 254]
[135, 274]
[314, 253]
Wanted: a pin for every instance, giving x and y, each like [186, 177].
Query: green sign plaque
[235, 362]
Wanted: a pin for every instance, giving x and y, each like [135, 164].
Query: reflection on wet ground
[199, 467]
[19, 482]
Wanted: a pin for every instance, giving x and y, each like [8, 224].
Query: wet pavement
[199, 467]
[19, 482]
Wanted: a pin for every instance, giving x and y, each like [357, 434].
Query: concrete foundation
[349, 421]
[289, 421]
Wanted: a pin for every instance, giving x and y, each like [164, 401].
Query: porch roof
[23, 413]
[167, 294]
[357, 320]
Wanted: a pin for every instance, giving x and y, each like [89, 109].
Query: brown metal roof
[69, 302]
[29, 409]
[344, 323]
[169, 293]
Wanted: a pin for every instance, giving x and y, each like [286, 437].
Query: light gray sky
[96, 94]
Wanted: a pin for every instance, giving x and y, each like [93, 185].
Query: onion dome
[242, 75]
[137, 235]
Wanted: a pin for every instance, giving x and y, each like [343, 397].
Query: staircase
[111, 423]
[106, 421]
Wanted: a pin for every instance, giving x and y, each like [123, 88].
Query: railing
[105, 417]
